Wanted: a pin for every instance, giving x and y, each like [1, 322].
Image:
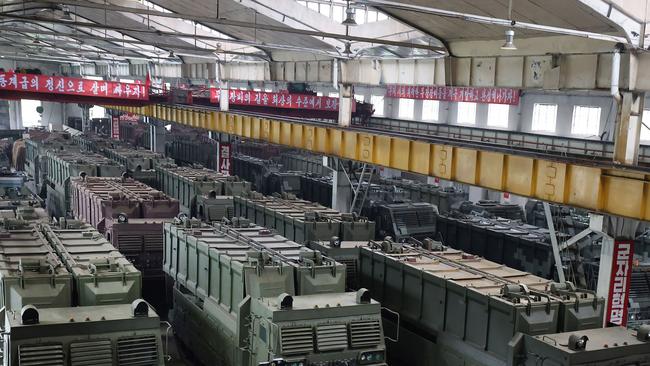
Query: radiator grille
[426, 217]
[153, 242]
[365, 333]
[129, 243]
[332, 337]
[97, 353]
[406, 219]
[141, 351]
[34, 355]
[297, 340]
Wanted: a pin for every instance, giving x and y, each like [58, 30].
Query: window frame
[458, 113]
[374, 103]
[532, 123]
[490, 122]
[400, 110]
[573, 121]
[436, 115]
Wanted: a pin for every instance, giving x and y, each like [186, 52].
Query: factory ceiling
[170, 30]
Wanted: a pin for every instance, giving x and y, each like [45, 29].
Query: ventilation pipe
[616, 73]
[335, 74]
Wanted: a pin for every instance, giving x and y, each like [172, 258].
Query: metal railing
[556, 145]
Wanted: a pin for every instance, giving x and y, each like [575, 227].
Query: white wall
[520, 118]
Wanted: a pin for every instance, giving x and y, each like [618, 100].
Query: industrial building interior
[324, 182]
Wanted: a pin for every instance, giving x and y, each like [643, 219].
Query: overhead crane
[598, 186]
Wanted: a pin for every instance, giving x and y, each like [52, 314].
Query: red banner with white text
[115, 128]
[225, 159]
[278, 100]
[454, 94]
[72, 86]
[619, 286]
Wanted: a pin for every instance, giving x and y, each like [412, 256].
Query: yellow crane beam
[610, 190]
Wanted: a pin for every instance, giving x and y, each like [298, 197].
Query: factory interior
[324, 183]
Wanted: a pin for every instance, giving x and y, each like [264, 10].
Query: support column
[224, 101]
[342, 194]
[627, 129]
[615, 270]
[15, 118]
[157, 136]
[346, 100]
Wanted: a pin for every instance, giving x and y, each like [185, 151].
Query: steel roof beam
[235, 23]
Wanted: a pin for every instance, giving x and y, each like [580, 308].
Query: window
[30, 116]
[377, 104]
[127, 81]
[360, 16]
[97, 112]
[268, 90]
[338, 13]
[645, 131]
[372, 16]
[430, 110]
[586, 120]
[406, 108]
[544, 116]
[360, 97]
[325, 9]
[498, 115]
[333, 95]
[93, 77]
[466, 113]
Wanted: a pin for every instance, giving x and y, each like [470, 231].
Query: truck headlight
[366, 358]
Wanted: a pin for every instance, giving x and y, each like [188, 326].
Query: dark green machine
[302, 221]
[460, 309]
[246, 296]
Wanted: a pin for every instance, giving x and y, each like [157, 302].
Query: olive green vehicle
[457, 309]
[70, 298]
[246, 296]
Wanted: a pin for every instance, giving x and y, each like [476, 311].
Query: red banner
[72, 86]
[224, 159]
[115, 128]
[619, 286]
[278, 100]
[454, 94]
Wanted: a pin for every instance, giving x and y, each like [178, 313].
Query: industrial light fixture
[349, 16]
[509, 45]
[171, 54]
[510, 33]
[66, 13]
[348, 48]
[36, 40]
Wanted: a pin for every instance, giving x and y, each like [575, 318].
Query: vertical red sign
[224, 158]
[619, 286]
[115, 128]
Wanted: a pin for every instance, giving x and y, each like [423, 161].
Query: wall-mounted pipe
[616, 73]
[335, 74]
